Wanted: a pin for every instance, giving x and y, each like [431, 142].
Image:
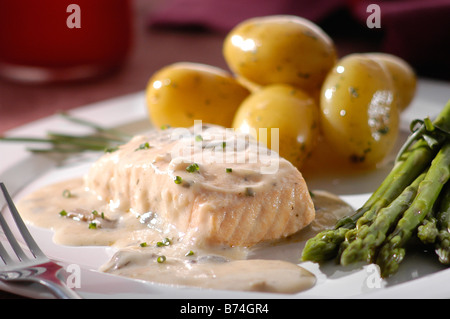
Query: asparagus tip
[389, 260]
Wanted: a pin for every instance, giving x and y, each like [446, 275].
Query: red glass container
[61, 40]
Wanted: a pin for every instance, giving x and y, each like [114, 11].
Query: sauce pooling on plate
[200, 234]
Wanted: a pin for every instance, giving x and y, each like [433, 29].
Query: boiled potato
[183, 92]
[286, 108]
[403, 76]
[280, 49]
[359, 113]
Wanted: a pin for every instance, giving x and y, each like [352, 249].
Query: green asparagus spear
[350, 221]
[411, 162]
[417, 158]
[428, 231]
[416, 162]
[443, 247]
[443, 119]
[419, 154]
[443, 224]
[325, 245]
[392, 252]
[369, 238]
[433, 134]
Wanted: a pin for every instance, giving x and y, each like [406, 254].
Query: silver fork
[37, 268]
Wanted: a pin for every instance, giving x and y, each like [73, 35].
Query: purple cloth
[222, 15]
[416, 30]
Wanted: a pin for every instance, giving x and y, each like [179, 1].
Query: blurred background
[126, 41]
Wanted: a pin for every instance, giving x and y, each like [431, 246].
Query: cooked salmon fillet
[216, 187]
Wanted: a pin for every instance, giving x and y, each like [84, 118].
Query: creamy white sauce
[216, 267]
[101, 211]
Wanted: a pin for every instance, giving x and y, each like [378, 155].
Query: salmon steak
[211, 185]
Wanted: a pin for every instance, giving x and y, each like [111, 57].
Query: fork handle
[54, 283]
[59, 290]
[45, 274]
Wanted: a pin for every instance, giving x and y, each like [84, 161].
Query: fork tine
[34, 248]
[4, 255]
[12, 240]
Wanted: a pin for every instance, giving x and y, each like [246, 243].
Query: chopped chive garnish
[143, 146]
[224, 144]
[165, 242]
[198, 138]
[66, 193]
[63, 213]
[111, 149]
[192, 168]
[144, 244]
[228, 170]
[161, 259]
[189, 253]
[92, 225]
[177, 180]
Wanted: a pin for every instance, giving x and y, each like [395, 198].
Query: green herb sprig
[104, 139]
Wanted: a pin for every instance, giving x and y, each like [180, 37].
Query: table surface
[153, 49]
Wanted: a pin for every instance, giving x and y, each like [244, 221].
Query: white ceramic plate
[420, 275]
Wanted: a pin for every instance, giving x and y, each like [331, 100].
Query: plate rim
[23, 156]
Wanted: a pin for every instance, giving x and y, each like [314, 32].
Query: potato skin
[359, 113]
[403, 77]
[291, 110]
[183, 92]
[280, 49]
